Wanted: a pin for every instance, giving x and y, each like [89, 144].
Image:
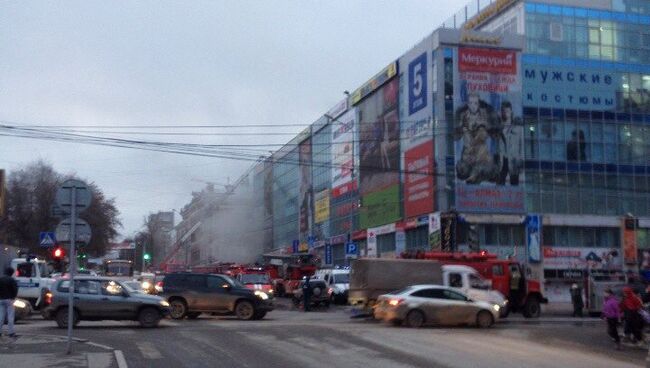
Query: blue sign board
[328, 254]
[533, 237]
[295, 246]
[46, 239]
[418, 84]
[351, 249]
[310, 240]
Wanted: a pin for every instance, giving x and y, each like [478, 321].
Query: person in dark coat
[576, 300]
[8, 293]
[631, 306]
[306, 293]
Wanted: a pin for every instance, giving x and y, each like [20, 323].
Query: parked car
[420, 305]
[103, 298]
[320, 294]
[22, 309]
[338, 280]
[191, 294]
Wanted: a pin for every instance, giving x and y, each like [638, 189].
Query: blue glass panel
[639, 170]
[530, 111]
[543, 60]
[449, 160]
[585, 166]
[599, 168]
[558, 114]
[632, 18]
[546, 165]
[572, 167]
[532, 165]
[610, 115]
[647, 118]
[584, 115]
[543, 112]
[572, 114]
[637, 118]
[580, 12]
[448, 53]
[596, 115]
[611, 168]
[608, 65]
[644, 19]
[622, 118]
[592, 13]
[619, 17]
[595, 64]
[555, 10]
[626, 169]
[558, 165]
[554, 60]
[542, 8]
[529, 59]
[530, 7]
[605, 15]
[568, 11]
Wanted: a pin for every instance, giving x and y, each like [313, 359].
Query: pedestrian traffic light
[147, 257]
[58, 253]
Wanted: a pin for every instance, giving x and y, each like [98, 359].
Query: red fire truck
[287, 271]
[508, 277]
[256, 278]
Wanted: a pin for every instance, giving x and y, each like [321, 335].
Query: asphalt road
[289, 338]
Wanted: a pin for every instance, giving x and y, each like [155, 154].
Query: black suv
[191, 294]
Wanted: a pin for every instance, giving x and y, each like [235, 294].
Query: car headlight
[164, 303]
[146, 285]
[19, 304]
[262, 295]
[496, 307]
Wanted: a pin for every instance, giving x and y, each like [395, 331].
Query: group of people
[629, 309]
[8, 293]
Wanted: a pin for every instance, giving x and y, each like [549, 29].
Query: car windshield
[233, 282]
[255, 278]
[342, 278]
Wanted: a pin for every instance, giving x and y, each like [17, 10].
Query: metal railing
[466, 13]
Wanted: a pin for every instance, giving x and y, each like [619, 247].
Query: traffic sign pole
[73, 260]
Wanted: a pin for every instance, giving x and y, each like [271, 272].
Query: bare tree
[30, 197]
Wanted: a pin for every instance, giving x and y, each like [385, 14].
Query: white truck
[371, 277]
[34, 279]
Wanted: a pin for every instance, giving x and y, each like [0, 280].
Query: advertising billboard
[488, 131]
[379, 156]
[343, 180]
[416, 129]
[322, 206]
[582, 258]
[306, 193]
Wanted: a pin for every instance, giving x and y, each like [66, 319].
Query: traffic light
[147, 257]
[58, 254]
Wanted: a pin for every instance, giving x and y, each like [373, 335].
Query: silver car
[420, 305]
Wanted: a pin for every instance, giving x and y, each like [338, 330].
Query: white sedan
[420, 305]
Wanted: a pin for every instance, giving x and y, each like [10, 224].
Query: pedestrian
[612, 314]
[306, 293]
[576, 300]
[631, 306]
[8, 292]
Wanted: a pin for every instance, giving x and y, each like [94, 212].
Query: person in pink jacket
[612, 314]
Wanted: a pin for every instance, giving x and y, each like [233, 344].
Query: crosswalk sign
[46, 239]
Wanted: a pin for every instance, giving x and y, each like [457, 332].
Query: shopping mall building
[517, 127]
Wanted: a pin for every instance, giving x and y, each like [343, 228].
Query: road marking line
[121, 362]
[99, 345]
[148, 350]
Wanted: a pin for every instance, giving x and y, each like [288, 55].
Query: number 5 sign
[418, 84]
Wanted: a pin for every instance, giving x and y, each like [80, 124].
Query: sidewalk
[552, 313]
[35, 351]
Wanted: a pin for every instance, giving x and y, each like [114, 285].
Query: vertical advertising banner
[343, 180]
[416, 126]
[379, 156]
[322, 206]
[371, 247]
[306, 193]
[533, 238]
[488, 131]
[630, 225]
[435, 232]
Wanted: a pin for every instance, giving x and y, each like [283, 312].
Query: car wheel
[149, 317]
[193, 315]
[62, 318]
[316, 291]
[484, 319]
[259, 315]
[244, 310]
[532, 308]
[415, 318]
[178, 309]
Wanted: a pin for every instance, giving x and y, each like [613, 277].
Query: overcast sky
[186, 63]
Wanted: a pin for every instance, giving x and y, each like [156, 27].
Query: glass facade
[322, 173]
[286, 184]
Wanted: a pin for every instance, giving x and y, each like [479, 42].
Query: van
[338, 281]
